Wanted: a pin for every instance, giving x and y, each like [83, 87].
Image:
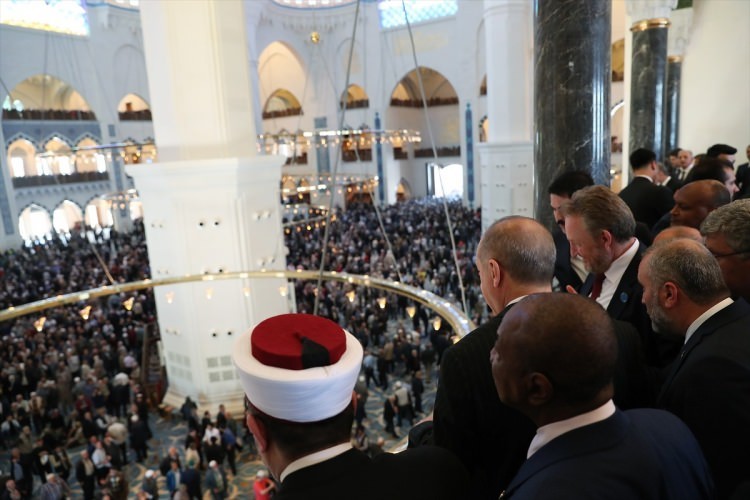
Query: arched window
[281, 103]
[355, 98]
[46, 97]
[21, 159]
[134, 107]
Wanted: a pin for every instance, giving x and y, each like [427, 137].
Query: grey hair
[690, 266]
[601, 209]
[523, 247]
[733, 222]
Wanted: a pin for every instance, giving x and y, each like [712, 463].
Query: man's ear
[496, 272]
[669, 293]
[258, 431]
[539, 389]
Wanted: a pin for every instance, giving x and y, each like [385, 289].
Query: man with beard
[601, 230]
[708, 386]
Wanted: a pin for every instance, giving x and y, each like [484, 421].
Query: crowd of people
[671, 281]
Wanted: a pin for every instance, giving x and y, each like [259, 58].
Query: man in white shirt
[553, 360]
[601, 228]
[687, 161]
[708, 386]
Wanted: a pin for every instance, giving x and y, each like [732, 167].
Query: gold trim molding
[647, 24]
[445, 309]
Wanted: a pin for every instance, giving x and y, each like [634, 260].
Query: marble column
[469, 156]
[648, 74]
[9, 235]
[379, 160]
[506, 168]
[672, 121]
[572, 66]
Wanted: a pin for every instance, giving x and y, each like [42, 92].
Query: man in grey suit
[515, 257]
[708, 385]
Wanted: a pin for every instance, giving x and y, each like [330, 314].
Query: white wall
[715, 100]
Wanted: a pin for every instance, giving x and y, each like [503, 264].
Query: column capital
[643, 10]
[679, 32]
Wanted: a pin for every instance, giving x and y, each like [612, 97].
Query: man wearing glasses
[727, 236]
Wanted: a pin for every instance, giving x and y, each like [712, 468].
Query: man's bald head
[567, 340]
[522, 246]
[677, 232]
[695, 200]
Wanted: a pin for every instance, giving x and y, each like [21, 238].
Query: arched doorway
[447, 181]
[22, 158]
[98, 214]
[34, 223]
[66, 217]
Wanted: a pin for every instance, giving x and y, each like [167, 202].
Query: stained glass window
[60, 16]
[392, 11]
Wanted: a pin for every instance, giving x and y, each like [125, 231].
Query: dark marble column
[469, 129]
[672, 122]
[572, 66]
[648, 85]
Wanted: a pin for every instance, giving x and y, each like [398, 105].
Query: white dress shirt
[547, 433]
[705, 316]
[613, 275]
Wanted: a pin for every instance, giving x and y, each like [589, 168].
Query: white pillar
[506, 159]
[210, 205]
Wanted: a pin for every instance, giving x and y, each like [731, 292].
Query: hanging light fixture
[209, 293]
[85, 312]
[128, 304]
[246, 291]
[170, 297]
[39, 324]
[411, 311]
[283, 290]
[351, 295]
[437, 323]
[381, 302]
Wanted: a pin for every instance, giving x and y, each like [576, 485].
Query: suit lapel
[627, 286]
[727, 315]
[582, 441]
[587, 285]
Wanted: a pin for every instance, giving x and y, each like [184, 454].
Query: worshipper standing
[553, 360]
[515, 257]
[86, 475]
[305, 441]
[174, 475]
[150, 486]
[708, 386]
[263, 487]
[216, 481]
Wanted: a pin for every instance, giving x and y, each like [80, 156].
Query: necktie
[596, 290]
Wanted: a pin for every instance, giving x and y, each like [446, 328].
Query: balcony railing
[282, 113]
[48, 114]
[143, 115]
[418, 103]
[49, 180]
[441, 152]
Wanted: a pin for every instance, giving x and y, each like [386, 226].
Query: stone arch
[22, 158]
[355, 98]
[34, 222]
[67, 216]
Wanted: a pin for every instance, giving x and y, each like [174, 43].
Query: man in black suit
[515, 257]
[299, 372]
[727, 234]
[553, 360]
[708, 386]
[647, 200]
[601, 228]
[86, 475]
[665, 178]
[568, 270]
[743, 178]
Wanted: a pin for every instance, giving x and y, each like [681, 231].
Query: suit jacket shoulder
[709, 389]
[351, 475]
[469, 419]
[644, 454]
